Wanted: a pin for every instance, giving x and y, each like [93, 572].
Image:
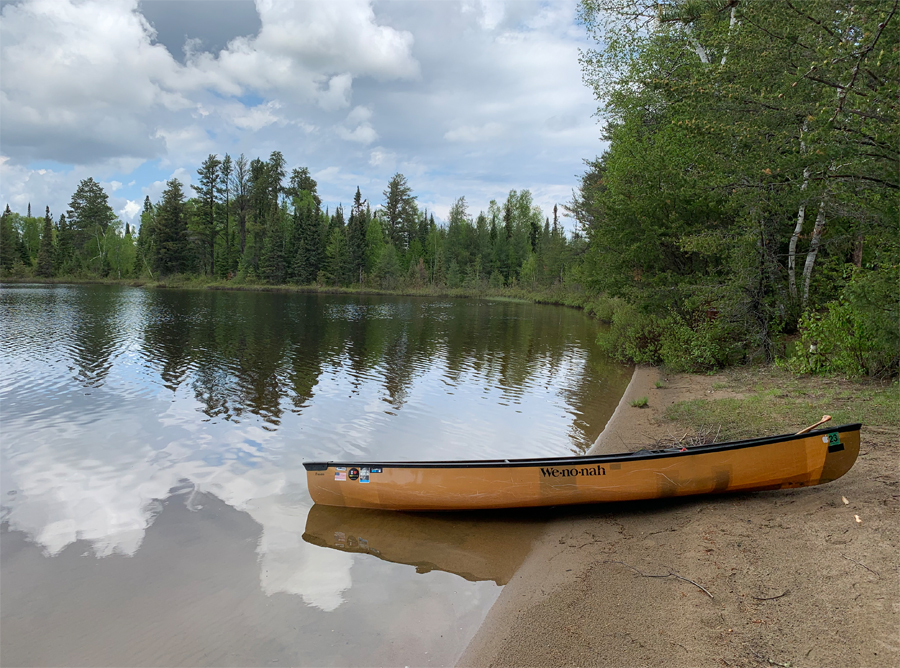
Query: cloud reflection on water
[121, 405]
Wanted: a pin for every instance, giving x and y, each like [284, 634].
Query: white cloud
[472, 98]
[363, 133]
[381, 158]
[472, 133]
[131, 208]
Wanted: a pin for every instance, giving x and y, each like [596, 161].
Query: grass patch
[775, 402]
[639, 403]
[660, 385]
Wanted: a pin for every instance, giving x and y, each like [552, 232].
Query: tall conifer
[46, 254]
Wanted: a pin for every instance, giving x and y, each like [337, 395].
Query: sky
[465, 98]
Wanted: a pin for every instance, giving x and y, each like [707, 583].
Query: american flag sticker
[340, 475]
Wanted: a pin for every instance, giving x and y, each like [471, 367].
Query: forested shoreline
[745, 210]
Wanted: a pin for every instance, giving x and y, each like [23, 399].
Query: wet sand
[792, 578]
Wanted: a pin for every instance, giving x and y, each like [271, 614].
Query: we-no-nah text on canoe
[566, 473]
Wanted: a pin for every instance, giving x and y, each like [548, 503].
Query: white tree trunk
[792, 247]
[700, 51]
[813, 251]
[731, 24]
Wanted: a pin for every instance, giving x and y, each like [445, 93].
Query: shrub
[856, 335]
[698, 345]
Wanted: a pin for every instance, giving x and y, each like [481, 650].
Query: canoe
[776, 462]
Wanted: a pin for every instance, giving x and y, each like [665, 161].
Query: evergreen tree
[227, 168]
[374, 243]
[337, 259]
[171, 243]
[208, 192]
[308, 250]
[399, 212]
[240, 186]
[144, 249]
[302, 181]
[65, 246]
[46, 255]
[89, 216]
[356, 238]
[8, 241]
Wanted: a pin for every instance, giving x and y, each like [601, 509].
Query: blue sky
[465, 98]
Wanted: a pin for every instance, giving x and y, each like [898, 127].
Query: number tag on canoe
[834, 442]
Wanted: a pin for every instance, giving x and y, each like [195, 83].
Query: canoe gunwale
[591, 459]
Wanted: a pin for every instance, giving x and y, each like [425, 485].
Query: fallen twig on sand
[860, 564]
[670, 574]
[771, 598]
[701, 436]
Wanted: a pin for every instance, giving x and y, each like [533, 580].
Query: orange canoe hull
[779, 462]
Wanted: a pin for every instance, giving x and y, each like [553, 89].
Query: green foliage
[46, 260]
[89, 216]
[670, 340]
[856, 335]
[387, 271]
[8, 241]
[639, 403]
[753, 154]
[170, 243]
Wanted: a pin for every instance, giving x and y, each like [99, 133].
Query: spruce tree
[308, 251]
[356, 238]
[65, 246]
[172, 245]
[8, 241]
[46, 254]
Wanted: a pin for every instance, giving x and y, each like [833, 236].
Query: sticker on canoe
[378, 470]
[571, 472]
[364, 475]
[340, 475]
[834, 442]
[353, 474]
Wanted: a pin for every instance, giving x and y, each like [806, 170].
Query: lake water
[154, 503]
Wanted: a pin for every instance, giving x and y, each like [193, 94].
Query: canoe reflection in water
[475, 547]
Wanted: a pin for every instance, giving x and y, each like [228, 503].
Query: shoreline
[792, 578]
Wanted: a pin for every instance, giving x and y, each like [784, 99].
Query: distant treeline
[250, 221]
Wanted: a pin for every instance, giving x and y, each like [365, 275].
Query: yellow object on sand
[776, 462]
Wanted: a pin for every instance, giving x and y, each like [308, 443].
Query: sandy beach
[793, 578]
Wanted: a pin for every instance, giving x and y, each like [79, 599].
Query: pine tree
[208, 193]
[46, 254]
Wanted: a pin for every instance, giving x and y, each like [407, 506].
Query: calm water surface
[154, 503]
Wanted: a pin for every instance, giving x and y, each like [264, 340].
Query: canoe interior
[775, 462]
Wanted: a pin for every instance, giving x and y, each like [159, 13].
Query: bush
[858, 334]
[671, 340]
